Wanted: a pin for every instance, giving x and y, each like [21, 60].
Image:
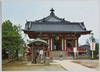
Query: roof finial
[52, 10]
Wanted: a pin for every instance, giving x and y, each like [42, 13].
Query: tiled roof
[52, 23]
[54, 27]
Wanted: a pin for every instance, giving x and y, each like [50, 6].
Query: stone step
[64, 58]
[57, 53]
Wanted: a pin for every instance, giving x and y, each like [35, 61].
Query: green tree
[92, 39]
[96, 52]
[11, 37]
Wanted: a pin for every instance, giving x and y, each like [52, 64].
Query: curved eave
[79, 32]
[45, 44]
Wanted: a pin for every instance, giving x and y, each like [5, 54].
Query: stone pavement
[70, 66]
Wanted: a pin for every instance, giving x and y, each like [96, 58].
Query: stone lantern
[25, 51]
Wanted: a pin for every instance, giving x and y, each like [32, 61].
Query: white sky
[75, 11]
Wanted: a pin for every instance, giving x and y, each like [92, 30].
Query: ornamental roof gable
[52, 18]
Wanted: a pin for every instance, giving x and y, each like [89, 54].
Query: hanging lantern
[57, 37]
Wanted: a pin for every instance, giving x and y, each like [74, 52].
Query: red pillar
[72, 44]
[45, 53]
[77, 43]
[50, 44]
[64, 44]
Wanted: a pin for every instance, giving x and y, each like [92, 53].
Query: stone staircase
[56, 54]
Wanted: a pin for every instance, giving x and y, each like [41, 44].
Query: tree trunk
[8, 56]
[17, 54]
[13, 55]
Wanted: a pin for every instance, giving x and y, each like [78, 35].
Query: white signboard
[75, 49]
[92, 46]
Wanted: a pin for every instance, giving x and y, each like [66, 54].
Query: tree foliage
[11, 36]
[95, 52]
[92, 39]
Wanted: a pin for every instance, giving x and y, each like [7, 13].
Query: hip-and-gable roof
[54, 24]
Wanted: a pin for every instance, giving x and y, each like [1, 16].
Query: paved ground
[94, 64]
[20, 66]
[57, 65]
[70, 66]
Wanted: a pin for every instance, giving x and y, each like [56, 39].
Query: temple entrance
[57, 44]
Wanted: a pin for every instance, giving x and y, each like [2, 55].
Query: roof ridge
[52, 14]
